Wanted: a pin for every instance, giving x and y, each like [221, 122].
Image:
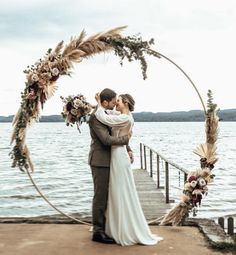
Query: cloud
[196, 35]
[60, 18]
[31, 23]
[52, 19]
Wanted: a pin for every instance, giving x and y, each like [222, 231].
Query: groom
[99, 161]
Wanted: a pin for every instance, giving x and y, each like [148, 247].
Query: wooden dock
[152, 199]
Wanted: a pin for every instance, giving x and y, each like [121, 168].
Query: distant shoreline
[180, 116]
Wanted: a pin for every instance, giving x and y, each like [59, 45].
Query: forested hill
[194, 115]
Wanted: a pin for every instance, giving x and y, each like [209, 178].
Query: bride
[125, 221]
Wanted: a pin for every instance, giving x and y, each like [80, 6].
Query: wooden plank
[152, 200]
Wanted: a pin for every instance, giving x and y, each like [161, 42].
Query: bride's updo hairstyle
[128, 99]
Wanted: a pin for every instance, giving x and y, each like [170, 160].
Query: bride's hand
[97, 97]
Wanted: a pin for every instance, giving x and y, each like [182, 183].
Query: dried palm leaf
[175, 215]
[95, 37]
[201, 150]
[21, 134]
[74, 44]
[14, 124]
[27, 155]
[49, 91]
[212, 127]
[94, 47]
[16, 117]
[208, 150]
[115, 31]
[81, 37]
[58, 48]
[211, 121]
[64, 64]
[91, 45]
[13, 135]
[36, 111]
[76, 55]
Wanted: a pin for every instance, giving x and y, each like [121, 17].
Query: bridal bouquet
[75, 110]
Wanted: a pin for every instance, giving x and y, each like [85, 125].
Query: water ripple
[65, 178]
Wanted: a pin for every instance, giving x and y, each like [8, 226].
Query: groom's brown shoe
[102, 238]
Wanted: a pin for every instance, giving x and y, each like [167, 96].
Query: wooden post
[179, 177]
[158, 171]
[230, 226]
[150, 163]
[185, 177]
[141, 155]
[221, 222]
[167, 182]
[145, 158]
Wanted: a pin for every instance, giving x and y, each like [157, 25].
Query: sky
[198, 35]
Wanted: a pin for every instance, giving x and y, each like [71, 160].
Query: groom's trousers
[101, 185]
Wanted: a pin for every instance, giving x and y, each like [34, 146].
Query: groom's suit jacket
[100, 148]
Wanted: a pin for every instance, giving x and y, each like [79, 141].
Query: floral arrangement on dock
[196, 184]
[41, 79]
[75, 110]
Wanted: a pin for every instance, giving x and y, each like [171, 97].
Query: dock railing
[148, 154]
[230, 227]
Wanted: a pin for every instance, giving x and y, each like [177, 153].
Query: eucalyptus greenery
[133, 48]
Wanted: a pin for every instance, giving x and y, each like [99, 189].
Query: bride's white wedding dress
[125, 221]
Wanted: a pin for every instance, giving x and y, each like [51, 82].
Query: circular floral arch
[41, 85]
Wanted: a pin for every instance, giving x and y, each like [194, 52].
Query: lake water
[60, 155]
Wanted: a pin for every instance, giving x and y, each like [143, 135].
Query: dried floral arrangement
[196, 184]
[76, 110]
[41, 78]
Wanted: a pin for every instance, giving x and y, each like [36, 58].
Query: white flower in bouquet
[77, 103]
[34, 77]
[201, 182]
[55, 71]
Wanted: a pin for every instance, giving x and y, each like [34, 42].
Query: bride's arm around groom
[112, 120]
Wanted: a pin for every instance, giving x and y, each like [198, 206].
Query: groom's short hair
[107, 94]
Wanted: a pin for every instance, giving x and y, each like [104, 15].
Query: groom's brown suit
[99, 161]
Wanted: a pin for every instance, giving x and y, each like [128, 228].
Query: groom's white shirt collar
[103, 108]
